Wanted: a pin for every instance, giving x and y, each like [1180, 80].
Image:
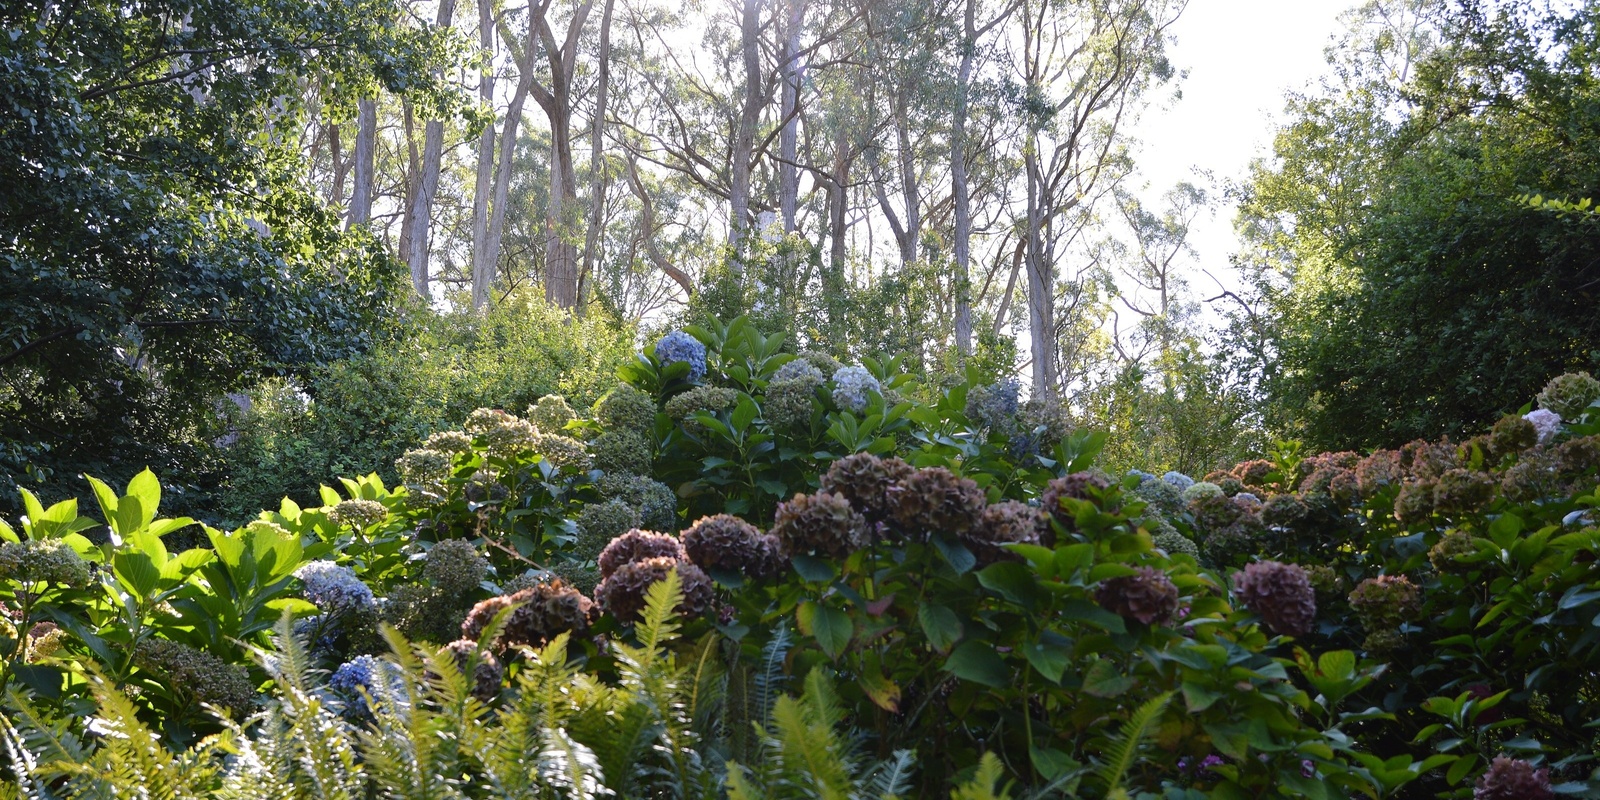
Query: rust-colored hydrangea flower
[1577, 456]
[1443, 556]
[624, 593]
[1512, 435]
[1415, 502]
[1513, 779]
[541, 612]
[487, 676]
[865, 479]
[1386, 601]
[935, 499]
[819, 525]
[1149, 596]
[636, 545]
[1254, 473]
[1285, 511]
[1376, 471]
[1001, 524]
[1462, 491]
[725, 542]
[1076, 486]
[1280, 593]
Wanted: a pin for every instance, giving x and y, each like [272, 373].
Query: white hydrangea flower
[851, 386]
[1546, 422]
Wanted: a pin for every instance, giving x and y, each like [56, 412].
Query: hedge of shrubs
[752, 573]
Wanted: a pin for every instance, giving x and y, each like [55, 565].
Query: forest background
[257, 246]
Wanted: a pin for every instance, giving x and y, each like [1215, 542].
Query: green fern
[985, 784]
[1125, 748]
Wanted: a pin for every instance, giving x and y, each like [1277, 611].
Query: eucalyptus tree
[1082, 71]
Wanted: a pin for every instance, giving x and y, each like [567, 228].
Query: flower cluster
[1546, 424]
[655, 501]
[678, 346]
[853, 387]
[1570, 395]
[819, 524]
[728, 544]
[365, 680]
[1462, 491]
[43, 561]
[1513, 779]
[544, 611]
[334, 588]
[426, 469]
[798, 369]
[711, 399]
[487, 675]
[994, 407]
[1452, 546]
[623, 594]
[44, 641]
[626, 409]
[636, 545]
[599, 523]
[455, 567]
[448, 442]
[551, 413]
[358, 514]
[204, 676]
[1280, 593]
[1178, 479]
[623, 452]
[1385, 601]
[789, 403]
[865, 480]
[1148, 596]
[563, 452]
[1166, 537]
[935, 500]
[1512, 435]
[1201, 489]
[1001, 524]
[1077, 486]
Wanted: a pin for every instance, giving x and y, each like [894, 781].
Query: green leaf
[978, 662]
[1013, 581]
[813, 569]
[940, 625]
[1050, 762]
[832, 629]
[1084, 611]
[955, 553]
[1050, 660]
[1103, 680]
[136, 572]
[145, 487]
[130, 515]
[1198, 698]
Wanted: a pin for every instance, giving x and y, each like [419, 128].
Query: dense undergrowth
[749, 573]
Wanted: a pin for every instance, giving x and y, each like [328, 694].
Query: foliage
[160, 247]
[1402, 288]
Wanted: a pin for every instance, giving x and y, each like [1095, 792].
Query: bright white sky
[1241, 56]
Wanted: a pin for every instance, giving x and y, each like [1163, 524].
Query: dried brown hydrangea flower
[487, 676]
[1280, 593]
[624, 593]
[935, 500]
[1009, 522]
[729, 544]
[819, 525]
[1513, 779]
[636, 545]
[1076, 486]
[865, 479]
[1148, 596]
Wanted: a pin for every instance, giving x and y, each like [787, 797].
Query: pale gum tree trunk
[361, 170]
[597, 128]
[421, 217]
[959, 189]
[789, 136]
[561, 255]
[483, 270]
[745, 139]
[1041, 288]
[508, 141]
[910, 192]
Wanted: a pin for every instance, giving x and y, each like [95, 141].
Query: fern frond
[569, 766]
[739, 785]
[985, 784]
[891, 778]
[1125, 748]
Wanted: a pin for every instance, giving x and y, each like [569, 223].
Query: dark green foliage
[157, 247]
[1410, 293]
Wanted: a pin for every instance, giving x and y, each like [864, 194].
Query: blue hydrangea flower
[994, 406]
[797, 369]
[334, 588]
[679, 346]
[378, 678]
[851, 387]
[1143, 476]
[1178, 480]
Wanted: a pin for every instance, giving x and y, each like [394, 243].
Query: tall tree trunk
[483, 270]
[1041, 287]
[508, 146]
[562, 216]
[789, 136]
[340, 164]
[647, 229]
[597, 129]
[421, 217]
[838, 210]
[366, 143]
[413, 178]
[744, 142]
[910, 192]
[958, 186]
